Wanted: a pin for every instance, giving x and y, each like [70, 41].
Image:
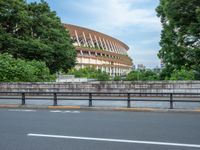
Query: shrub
[18, 70]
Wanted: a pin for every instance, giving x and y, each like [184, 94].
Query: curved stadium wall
[95, 49]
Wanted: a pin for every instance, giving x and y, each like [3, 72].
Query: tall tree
[180, 37]
[33, 31]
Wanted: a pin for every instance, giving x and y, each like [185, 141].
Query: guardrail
[89, 96]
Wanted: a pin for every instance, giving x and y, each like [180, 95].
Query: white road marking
[115, 140]
[22, 110]
[67, 111]
[75, 111]
[55, 111]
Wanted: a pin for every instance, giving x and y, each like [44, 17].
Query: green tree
[142, 75]
[166, 72]
[117, 78]
[180, 37]
[134, 75]
[33, 31]
[18, 70]
[182, 74]
[102, 76]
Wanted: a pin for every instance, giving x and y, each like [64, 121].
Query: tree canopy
[180, 37]
[33, 32]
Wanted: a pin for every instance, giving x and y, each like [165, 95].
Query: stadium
[98, 50]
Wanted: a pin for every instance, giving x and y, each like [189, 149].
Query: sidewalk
[98, 108]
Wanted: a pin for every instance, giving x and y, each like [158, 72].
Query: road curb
[9, 106]
[99, 108]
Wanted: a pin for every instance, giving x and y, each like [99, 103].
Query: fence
[101, 96]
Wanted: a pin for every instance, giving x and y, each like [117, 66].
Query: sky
[134, 22]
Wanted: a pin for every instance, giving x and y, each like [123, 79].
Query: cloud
[119, 13]
[149, 41]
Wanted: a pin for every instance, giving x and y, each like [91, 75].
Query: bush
[182, 74]
[18, 70]
[117, 78]
[142, 75]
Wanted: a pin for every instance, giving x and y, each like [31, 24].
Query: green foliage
[18, 70]
[102, 76]
[117, 78]
[133, 76]
[180, 37]
[166, 72]
[34, 32]
[142, 75]
[182, 74]
[91, 73]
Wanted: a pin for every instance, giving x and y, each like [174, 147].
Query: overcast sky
[134, 22]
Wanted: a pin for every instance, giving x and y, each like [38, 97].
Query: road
[22, 129]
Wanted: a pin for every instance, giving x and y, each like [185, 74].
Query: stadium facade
[98, 50]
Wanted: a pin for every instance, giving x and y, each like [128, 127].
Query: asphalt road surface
[22, 129]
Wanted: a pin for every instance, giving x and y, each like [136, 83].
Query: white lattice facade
[95, 49]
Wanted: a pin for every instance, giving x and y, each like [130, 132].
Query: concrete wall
[111, 86]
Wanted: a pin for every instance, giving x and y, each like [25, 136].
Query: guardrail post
[128, 101]
[23, 99]
[90, 99]
[55, 99]
[171, 101]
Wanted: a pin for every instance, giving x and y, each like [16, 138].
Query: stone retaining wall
[109, 86]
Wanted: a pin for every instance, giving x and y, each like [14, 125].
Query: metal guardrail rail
[129, 96]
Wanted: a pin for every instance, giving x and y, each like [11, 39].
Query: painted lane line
[66, 111]
[22, 110]
[75, 111]
[115, 140]
[31, 110]
[13, 110]
[55, 111]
